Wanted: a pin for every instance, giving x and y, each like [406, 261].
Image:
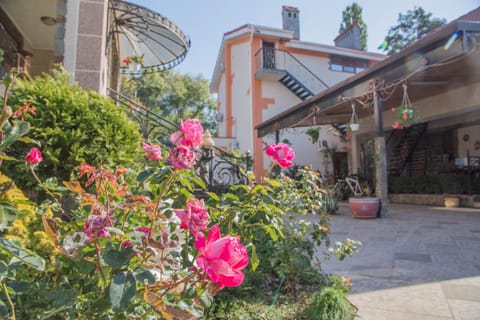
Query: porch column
[381, 183]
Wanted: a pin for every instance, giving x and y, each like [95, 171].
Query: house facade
[90, 38]
[439, 76]
[262, 71]
[37, 34]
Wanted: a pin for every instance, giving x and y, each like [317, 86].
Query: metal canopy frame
[141, 31]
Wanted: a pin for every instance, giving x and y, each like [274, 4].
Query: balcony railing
[275, 59]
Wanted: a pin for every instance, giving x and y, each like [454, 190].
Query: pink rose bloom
[195, 217]
[281, 154]
[34, 156]
[222, 258]
[190, 134]
[181, 157]
[145, 230]
[126, 244]
[152, 152]
[95, 226]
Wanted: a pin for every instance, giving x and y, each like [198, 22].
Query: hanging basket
[354, 126]
[406, 113]
[354, 122]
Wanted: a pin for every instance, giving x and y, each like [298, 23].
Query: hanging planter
[133, 63]
[354, 122]
[406, 113]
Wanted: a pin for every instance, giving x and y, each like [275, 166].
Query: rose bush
[151, 248]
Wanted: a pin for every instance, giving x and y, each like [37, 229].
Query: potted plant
[313, 133]
[134, 63]
[363, 206]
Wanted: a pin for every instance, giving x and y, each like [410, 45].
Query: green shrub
[429, 184]
[329, 303]
[73, 126]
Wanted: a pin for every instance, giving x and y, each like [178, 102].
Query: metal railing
[275, 59]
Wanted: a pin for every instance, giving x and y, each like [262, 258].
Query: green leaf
[142, 176]
[214, 196]
[7, 215]
[3, 311]
[18, 130]
[232, 197]
[122, 290]
[29, 140]
[275, 183]
[4, 157]
[31, 259]
[271, 232]
[144, 276]
[254, 259]
[117, 258]
[200, 182]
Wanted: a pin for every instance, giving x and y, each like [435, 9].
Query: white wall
[221, 99]
[473, 133]
[242, 129]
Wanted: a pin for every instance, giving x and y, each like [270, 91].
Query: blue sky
[205, 21]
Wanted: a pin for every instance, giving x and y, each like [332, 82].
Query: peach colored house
[261, 71]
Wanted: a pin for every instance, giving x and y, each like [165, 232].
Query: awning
[140, 31]
[426, 67]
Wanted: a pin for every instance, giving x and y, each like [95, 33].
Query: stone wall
[429, 199]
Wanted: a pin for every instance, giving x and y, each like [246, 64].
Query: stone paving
[419, 262]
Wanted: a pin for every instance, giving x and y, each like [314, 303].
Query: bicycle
[345, 188]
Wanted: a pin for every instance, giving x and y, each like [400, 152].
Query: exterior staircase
[403, 156]
[275, 64]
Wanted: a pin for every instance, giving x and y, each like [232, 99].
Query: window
[344, 64]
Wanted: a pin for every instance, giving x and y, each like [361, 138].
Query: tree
[351, 14]
[411, 26]
[174, 96]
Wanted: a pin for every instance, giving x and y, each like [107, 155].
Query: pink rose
[195, 217]
[126, 244]
[281, 154]
[95, 226]
[222, 258]
[145, 230]
[190, 134]
[152, 152]
[34, 156]
[181, 157]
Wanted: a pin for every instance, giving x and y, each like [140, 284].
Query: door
[268, 55]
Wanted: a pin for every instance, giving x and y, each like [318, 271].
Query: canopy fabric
[142, 32]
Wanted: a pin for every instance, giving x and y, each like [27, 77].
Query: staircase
[280, 65]
[296, 87]
[402, 154]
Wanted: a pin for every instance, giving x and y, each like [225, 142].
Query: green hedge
[74, 126]
[428, 184]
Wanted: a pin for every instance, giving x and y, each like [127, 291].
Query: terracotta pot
[364, 208]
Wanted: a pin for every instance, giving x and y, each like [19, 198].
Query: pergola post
[381, 183]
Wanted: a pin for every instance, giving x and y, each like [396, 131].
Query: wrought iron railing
[217, 168]
[276, 59]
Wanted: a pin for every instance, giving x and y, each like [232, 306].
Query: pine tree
[351, 14]
[411, 26]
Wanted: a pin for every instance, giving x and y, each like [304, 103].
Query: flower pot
[364, 208]
[354, 126]
[134, 67]
[451, 201]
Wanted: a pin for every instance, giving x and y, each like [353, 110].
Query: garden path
[420, 262]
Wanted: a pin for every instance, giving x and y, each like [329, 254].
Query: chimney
[291, 20]
[350, 37]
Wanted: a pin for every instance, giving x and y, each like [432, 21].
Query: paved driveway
[418, 263]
